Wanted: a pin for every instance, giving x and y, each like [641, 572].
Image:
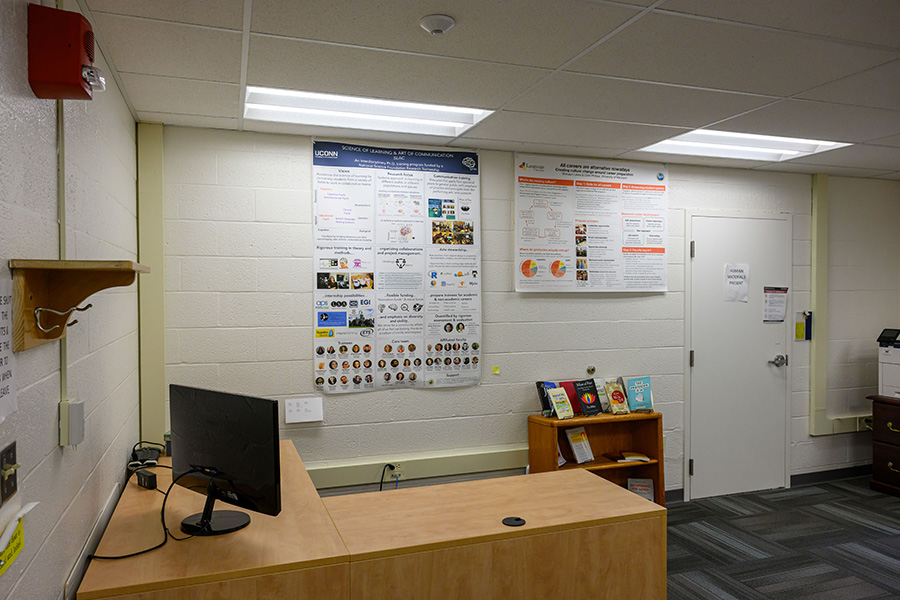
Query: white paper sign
[8, 404]
[774, 304]
[737, 282]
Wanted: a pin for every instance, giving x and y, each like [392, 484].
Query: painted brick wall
[238, 314]
[71, 484]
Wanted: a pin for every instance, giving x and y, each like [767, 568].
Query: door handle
[779, 361]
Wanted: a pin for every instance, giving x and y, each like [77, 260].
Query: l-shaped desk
[584, 537]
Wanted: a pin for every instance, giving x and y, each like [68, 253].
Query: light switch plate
[303, 410]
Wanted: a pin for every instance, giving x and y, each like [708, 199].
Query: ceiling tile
[877, 88]
[567, 131]
[346, 135]
[227, 14]
[188, 120]
[816, 120]
[893, 140]
[682, 50]
[283, 63]
[787, 167]
[530, 32]
[860, 156]
[869, 21]
[539, 148]
[170, 49]
[597, 97]
[152, 93]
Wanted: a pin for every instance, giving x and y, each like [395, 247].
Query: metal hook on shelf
[66, 313]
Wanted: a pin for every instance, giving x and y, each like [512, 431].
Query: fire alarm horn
[61, 55]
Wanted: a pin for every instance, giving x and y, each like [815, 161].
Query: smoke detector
[437, 24]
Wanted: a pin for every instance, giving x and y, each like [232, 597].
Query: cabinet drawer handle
[891, 467]
[890, 426]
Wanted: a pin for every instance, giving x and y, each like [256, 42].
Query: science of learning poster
[586, 225]
[397, 267]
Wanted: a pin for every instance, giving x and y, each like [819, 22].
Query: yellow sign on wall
[12, 550]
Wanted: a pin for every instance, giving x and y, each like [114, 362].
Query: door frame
[688, 341]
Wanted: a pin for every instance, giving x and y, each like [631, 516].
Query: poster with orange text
[590, 225]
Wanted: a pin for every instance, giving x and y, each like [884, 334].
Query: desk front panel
[621, 561]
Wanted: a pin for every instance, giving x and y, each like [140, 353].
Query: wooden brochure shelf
[56, 288]
[634, 432]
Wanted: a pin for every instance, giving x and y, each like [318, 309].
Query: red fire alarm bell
[61, 55]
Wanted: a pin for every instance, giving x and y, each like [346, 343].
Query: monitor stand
[214, 522]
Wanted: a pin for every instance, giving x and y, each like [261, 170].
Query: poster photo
[397, 257]
[585, 225]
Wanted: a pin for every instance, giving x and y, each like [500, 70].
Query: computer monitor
[226, 447]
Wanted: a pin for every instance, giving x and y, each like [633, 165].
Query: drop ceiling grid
[657, 77]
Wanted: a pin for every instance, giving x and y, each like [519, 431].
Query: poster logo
[660, 176]
[326, 153]
[469, 163]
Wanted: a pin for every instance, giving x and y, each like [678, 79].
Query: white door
[737, 392]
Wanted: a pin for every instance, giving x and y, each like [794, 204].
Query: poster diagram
[397, 255]
[587, 225]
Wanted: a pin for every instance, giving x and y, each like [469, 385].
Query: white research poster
[586, 225]
[397, 263]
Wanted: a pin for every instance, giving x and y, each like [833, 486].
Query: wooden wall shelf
[633, 432]
[59, 285]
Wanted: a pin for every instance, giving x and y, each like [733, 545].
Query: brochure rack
[607, 434]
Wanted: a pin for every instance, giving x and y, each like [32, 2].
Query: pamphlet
[581, 447]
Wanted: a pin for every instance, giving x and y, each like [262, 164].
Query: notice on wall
[586, 225]
[774, 304]
[397, 261]
[8, 404]
[737, 283]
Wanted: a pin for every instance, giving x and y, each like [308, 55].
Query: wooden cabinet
[885, 445]
[635, 432]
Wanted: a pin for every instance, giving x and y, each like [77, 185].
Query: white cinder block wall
[238, 306]
[71, 484]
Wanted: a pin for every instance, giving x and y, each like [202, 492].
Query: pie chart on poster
[529, 268]
[558, 268]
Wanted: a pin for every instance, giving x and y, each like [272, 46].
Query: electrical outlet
[9, 482]
[396, 474]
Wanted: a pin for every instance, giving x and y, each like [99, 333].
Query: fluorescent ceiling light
[747, 146]
[349, 112]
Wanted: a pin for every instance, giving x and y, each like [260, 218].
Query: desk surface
[302, 536]
[427, 518]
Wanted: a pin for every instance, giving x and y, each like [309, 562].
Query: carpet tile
[828, 541]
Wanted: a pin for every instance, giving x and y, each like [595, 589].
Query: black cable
[135, 447]
[162, 515]
[381, 483]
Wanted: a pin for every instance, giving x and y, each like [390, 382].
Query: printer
[889, 363]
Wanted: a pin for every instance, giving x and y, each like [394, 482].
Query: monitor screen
[226, 447]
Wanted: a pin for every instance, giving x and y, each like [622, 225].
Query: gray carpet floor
[831, 541]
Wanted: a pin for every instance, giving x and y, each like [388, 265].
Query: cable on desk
[162, 515]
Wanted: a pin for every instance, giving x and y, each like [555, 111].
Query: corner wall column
[151, 286]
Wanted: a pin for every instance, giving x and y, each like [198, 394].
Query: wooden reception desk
[584, 537]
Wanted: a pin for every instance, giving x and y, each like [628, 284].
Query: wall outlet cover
[10, 484]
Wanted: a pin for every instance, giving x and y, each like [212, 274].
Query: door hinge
[690, 466]
[692, 248]
[692, 358]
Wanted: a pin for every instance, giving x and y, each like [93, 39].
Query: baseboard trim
[832, 475]
[674, 496]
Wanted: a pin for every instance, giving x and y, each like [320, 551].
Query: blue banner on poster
[335, 154]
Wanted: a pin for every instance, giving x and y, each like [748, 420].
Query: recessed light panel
[747, 146]
[350, 112]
